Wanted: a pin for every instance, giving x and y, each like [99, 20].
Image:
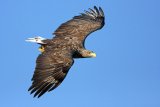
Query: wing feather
[50, 71]
[82, 25]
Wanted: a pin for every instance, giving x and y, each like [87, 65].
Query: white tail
[37, 39]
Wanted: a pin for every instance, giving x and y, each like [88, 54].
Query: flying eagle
[57, 54]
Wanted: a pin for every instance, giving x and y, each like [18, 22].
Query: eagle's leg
[41, 49]
[38, 40]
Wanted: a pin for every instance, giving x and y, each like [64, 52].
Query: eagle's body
[57, 55]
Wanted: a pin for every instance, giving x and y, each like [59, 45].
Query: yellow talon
[41, 49]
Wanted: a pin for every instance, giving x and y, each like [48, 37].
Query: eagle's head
[88, 54]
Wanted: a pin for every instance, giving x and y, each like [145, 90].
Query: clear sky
[125, 73]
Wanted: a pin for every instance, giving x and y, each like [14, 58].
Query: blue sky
[125, 73]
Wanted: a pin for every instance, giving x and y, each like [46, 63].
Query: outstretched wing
[82, 25]
[51, 69]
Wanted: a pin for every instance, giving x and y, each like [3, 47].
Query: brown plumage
[53, 64]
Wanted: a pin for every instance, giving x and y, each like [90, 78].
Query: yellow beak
[93, 55]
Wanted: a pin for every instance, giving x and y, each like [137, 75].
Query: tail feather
[37, 39]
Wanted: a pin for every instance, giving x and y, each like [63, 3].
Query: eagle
[57, 54]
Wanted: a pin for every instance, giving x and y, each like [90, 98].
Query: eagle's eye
[90, 52]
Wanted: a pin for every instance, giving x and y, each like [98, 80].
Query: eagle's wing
[51, 69]
[82, 25]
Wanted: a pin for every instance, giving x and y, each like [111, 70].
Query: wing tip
[91, 13]
[99, 11]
